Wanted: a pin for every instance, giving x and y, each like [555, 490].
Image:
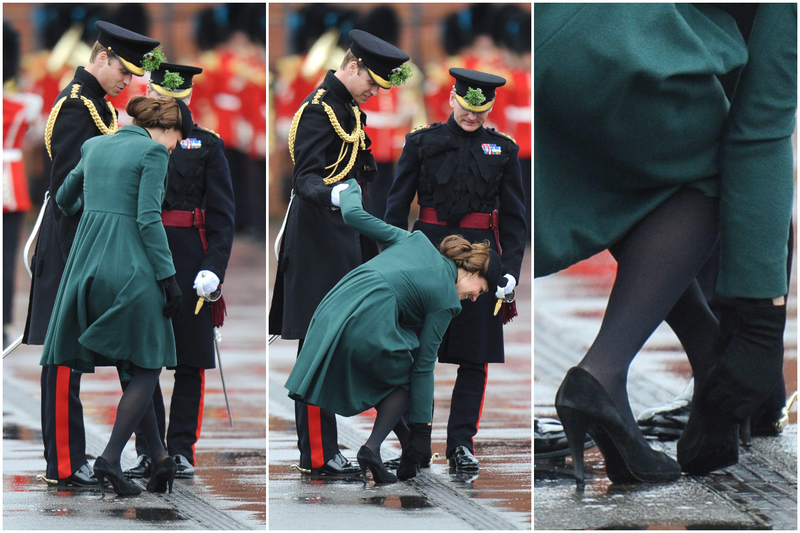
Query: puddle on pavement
[18, 432]
[146, 515]
[400, 502]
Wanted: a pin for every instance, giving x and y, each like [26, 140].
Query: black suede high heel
[163, 476]
[584, 406]
[367, 459]
[104, 471]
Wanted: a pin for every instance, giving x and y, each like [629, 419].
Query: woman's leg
[657, 260]
[135, 404]
[390, 411]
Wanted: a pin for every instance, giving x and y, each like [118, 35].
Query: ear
[354, 68]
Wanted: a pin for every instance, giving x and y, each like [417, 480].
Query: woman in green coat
[633, 134]
[110, 309]
[361, 350]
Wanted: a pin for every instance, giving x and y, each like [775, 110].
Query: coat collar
[89, 83]
[455, 128]
[337, 88]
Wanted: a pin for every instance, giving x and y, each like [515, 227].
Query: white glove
[503, 292]
[335, 193]
[205, 283]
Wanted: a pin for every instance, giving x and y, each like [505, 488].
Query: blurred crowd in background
[47, 42]
[306, 40]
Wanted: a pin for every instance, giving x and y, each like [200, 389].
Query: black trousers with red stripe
[317, 436]
[466, 406]
[185, 413]
[63, 433]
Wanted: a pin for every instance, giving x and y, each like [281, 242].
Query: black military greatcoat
[457, 173]
[199, 177]
[318, 248]
[73, 125]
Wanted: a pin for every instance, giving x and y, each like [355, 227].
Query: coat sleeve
[422, 372]
[404, 187]
[756, 161]
[513, 228]
[73, 127]
[314, 134]
[151, 195]
[220, 209]
[354, 216]
[68, 196]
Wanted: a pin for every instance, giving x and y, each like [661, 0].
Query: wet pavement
[758, 493]
[499, 497]
[229, 488]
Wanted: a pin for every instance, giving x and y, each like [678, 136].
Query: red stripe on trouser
[315, 437]
[483, 398]
[62, 422]
[200, 410]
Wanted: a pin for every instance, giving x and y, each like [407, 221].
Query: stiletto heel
[584, 407]
[367, 459]
[103, 470]
[163, 476]
[575, 428]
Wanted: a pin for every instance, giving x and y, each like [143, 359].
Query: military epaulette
[75, 92]
[209, 131]
[426, 127]
[318, 96]
[501, 134]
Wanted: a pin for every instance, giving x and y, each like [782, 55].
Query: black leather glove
[752, 358]
[418, 450]
[174, 296]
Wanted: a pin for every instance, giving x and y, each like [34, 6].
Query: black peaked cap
[185, 71]
[380, 57]
[130, 47]
[472, 79]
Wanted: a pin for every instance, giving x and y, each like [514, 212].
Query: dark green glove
[751, 362]
[174, 296]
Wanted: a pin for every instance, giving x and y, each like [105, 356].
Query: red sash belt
[471, 221]
[196, 219]
[474, 221]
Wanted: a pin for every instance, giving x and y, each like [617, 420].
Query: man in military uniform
[198, 216]
[79, 113]
[467, 178]
[327, 144]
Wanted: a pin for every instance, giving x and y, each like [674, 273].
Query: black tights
[136, 409]
[390, 414]
[657, 262]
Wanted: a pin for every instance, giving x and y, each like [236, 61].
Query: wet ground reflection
[146, 514]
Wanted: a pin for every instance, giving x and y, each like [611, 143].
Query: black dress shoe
[463, 460]
[82, 477]
[141, 469]
[185, 468]
[338, 465]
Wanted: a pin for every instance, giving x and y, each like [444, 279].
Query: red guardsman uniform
[19, 112]
[43, 82]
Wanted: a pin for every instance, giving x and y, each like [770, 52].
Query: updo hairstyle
[470, 257]
[162, 112]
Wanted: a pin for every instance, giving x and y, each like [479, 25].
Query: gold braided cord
[105, 130]
[354, 138]
[51, 120]
[358, 136]
[293, 129]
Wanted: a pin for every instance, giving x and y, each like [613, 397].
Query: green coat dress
[628, 109]
[109, 306]
[361, 344]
